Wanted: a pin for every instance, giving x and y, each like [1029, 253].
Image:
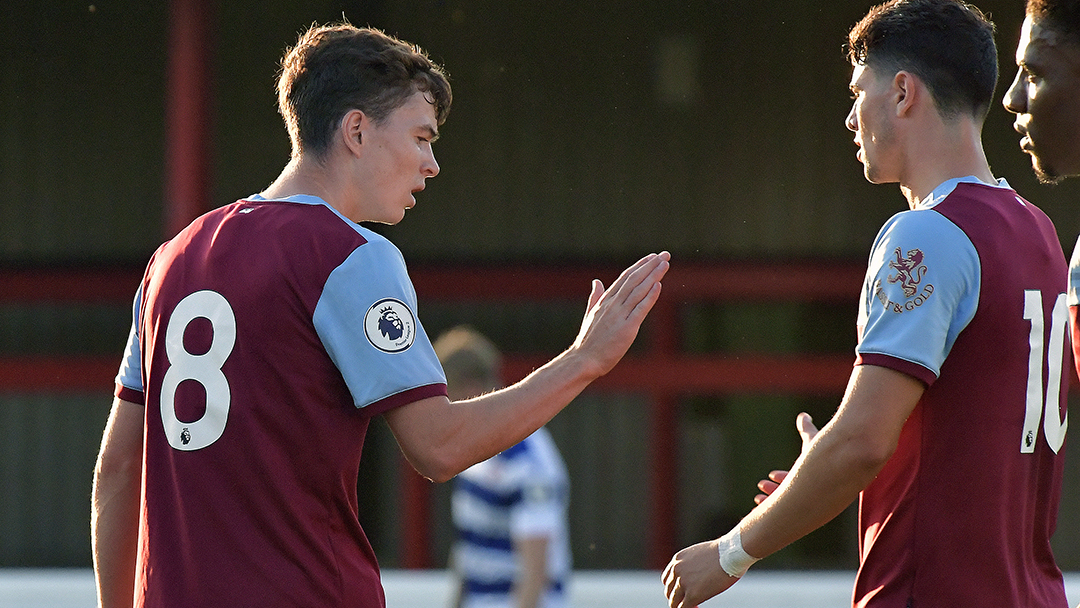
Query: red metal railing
[657, 368]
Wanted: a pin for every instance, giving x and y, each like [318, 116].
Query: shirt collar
[945, 189]
[307, 199]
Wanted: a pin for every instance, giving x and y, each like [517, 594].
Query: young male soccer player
[1045, 96]
[510, 511]
[951, 429]
[268, 333]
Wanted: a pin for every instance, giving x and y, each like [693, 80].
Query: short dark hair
[1062, 16]
[334, 69]
[948, 44]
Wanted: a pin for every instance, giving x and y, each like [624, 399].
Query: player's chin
[390, 219]
[872, 176]
[404, 208]
[1044, 171]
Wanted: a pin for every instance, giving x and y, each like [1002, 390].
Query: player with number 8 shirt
[268, 333]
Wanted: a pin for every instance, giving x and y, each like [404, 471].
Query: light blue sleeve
[366, 319]
[130, 374]
[1074, 276]
[921, 290]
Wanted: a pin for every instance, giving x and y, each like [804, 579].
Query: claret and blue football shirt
[265, 337]
[966, 292]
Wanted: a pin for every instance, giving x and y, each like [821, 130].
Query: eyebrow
[1031, 67]
[432, 134]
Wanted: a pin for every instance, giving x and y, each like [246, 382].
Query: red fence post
[188, 135]
[415, 518]
[664, 441]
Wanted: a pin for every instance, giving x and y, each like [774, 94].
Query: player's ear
[351, 130]
[905, 88]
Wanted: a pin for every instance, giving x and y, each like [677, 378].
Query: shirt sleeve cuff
[129, 394]
[914, 370]
[405, 397]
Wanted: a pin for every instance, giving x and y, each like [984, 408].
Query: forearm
[533, 577]
[115, 504]
[843, 458]
[114, 533]
[442, 439]
[823, 482]
[502, 418]
[475, 429]
[836, 464]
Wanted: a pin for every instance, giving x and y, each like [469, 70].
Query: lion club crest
[390, 326]
[909, 270]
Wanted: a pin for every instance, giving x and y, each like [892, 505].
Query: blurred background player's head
[472, 363]
[948, 44]
[337, 68]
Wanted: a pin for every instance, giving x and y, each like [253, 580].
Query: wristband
[733, 558]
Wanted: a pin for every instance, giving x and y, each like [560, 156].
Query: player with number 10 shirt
[967, 293]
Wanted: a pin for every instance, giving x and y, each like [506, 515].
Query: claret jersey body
[265, 337]
[967, 292]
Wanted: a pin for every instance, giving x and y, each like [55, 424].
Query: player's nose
[852, 122]
[430, 167]
[1015, 99]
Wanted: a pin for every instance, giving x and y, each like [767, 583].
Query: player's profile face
[868, 119]
[1045, 96]
[398, 159]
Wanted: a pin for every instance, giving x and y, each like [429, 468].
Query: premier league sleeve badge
[390, 326]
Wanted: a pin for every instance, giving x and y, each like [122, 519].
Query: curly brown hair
[333, 69]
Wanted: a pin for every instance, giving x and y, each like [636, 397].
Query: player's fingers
[674, 592]
[760, 498]
[805, 425]
[642, 273]
[638, 313]
[666, 574]
[625, 275]
[767, 486]
[644, 293]
[596, 293]
[778, 476]
[669, 577]
[635, 270]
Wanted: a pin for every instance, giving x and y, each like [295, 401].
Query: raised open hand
[614, 315]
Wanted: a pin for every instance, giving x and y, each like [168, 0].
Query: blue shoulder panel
[921, 289]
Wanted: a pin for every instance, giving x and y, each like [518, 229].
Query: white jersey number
[1053, 426]
[204, 369]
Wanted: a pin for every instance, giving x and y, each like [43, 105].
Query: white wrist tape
[733, 559]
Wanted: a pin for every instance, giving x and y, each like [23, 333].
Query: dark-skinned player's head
[1045, 94]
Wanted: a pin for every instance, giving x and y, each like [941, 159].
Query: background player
[267, 334]
[509, 511]
[1045, 96]
[950, 431]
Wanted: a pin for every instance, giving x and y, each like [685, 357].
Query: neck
[312, 177]
[300, 176]
[947, 150]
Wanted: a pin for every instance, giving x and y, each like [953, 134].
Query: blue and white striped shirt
[520, 493]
